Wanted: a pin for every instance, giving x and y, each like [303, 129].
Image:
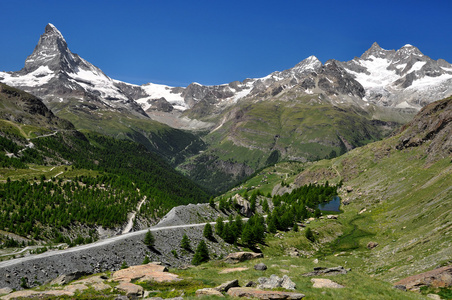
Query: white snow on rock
[40, 76]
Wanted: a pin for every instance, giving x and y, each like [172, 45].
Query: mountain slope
[81, 93]
[59, 184]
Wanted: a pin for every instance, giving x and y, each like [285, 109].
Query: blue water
[333, 205]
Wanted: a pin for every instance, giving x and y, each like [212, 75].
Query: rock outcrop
[237, 257]
[276, 282]
[327, 271]
[441, 277]
[325, 283]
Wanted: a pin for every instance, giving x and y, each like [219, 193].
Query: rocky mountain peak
[51, 52]
[376, 51]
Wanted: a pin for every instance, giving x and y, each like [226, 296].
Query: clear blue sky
[214, 42]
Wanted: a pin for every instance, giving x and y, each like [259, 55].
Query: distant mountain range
[402, 78]
[308, 112]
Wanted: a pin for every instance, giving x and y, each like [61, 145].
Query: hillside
[59, 184]
[397, 193]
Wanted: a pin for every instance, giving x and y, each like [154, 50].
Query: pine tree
[309, 235]
[185, 243]
[208, 233]
[149, 239]
[219, 226]
[201, 254]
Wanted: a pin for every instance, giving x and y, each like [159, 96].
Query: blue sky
[214, 42]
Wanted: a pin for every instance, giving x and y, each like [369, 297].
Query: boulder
[66, 278]
[260, 267]
[208, 292]
[100, 286]
[6, 290]
[237, 257]
[371, 245]
[275, 282]
[349, 189]
[327, 271]
[325, 283]
[260, 294]
[145, 273]
[331, 217]
[441, 277]
[132, 291]
[227, 285]
[251, 284]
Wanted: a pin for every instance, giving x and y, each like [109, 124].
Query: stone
[100, 286]
[400, 287]
[227, 285]
[349, 189]
[208, 292]
[441, 277]
[132, 291]
[237, 257]
[371, 245]
[230, 270]
[327, 271]
[260, 294]
[275, 282]
[36, 294]
[434, 296]
[6, 290]
[251, 284]
[260, 267]
[293, 252]
[325, 283]
[316, 261]
[75, 287]
[66, 278]
[331, 217]
[145, 273]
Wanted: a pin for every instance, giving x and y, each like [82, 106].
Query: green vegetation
[149, 239]
[185, 243]
[201, 254]
[208, 232]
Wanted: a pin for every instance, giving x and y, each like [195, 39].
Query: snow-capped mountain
[54, 73]
[402, 78]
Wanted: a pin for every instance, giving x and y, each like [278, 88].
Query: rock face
[276, 282]
[260, 294]
[441, 277]
[325, 283]
[237, 257]
[433, 125]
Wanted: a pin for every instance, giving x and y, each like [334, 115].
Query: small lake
[333, 205]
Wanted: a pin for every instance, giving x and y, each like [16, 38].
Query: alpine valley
[86, 159]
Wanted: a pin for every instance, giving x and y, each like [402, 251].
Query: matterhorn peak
[51, 29]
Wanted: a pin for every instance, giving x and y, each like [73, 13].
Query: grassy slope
[407, 200]
[173, 144]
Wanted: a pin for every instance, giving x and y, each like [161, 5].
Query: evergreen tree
[185, 243]
[219, 226]
[201, 254]
[211, 202]
[208, 233]
[309, 235]
[295, 227]
[149, 239]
